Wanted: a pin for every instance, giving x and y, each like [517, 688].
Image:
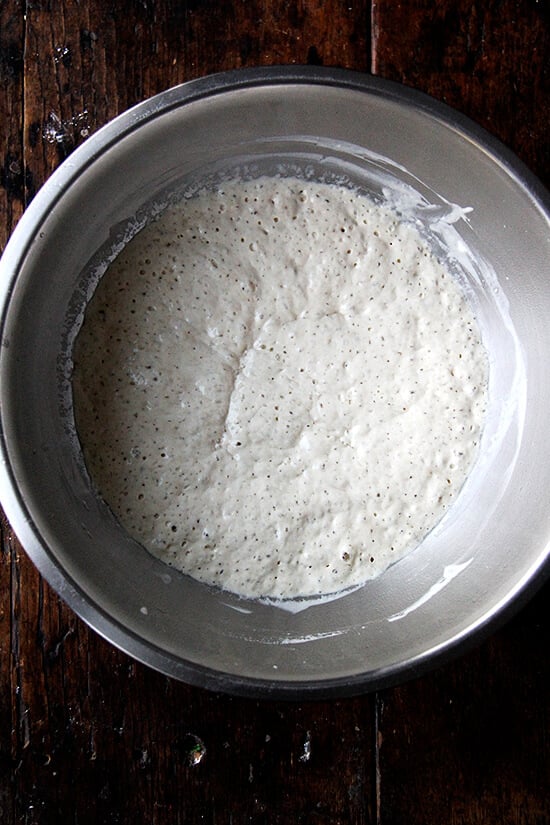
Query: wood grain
[12, 177]
[490, 60]
[86, 734]
[12, 172]
[476, 733]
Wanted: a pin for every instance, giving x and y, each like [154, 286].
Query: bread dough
[278, 388]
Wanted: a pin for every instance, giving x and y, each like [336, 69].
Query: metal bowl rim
[16, 251]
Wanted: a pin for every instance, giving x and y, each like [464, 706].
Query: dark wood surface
[86, 734]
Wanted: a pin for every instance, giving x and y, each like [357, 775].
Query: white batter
[278, 388]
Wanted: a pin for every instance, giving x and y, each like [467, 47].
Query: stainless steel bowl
[491, 550]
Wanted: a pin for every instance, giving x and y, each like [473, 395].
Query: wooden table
[86, 734]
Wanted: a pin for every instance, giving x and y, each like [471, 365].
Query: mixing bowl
[479, 208]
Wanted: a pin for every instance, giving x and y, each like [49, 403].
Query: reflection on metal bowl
[491, 549]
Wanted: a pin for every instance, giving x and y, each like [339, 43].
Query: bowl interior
[397, 147]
